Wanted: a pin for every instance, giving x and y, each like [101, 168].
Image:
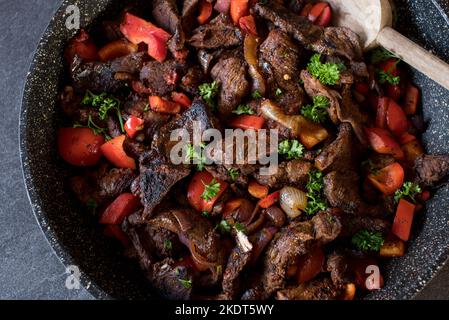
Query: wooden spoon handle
[419, 58]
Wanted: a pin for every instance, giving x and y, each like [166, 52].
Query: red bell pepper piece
[403, 220]
[123, 206]
[306, 10]
[246, 122]
[257, 190]
[181, 99]
[269, 200]
[382, 142]
[381, 114]
[411, 100]
[248, 24]
[390, 66]
[82, 46]
[239, 8]
[113, 151]
[325, 17]
[137, 30]
[396, 119]
[388, 179]
[362, 88]
[205, 11]
[133, 125]
[196, 189]
[394, 91]
[317, 10]
[406, 138]
[159, 104]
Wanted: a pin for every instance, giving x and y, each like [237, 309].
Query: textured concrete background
[28, 267]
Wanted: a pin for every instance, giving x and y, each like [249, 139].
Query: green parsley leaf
[193, 155]
[205, 214]
[168, 244]
[379, 55]
[366, 240]
[318, 111]
[256, 95]
[233, 173]
[409, 189]
[104, 103]
[243, 109]
[147, 108]
[327, 73]
[186, 283]
[385, 77]
[278, 92]
[314, 194]
[209, 91]
[239, 227]
[292, 149]
[223, 227]
[211, 190]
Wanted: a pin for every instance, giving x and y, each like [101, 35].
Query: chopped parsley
[318, 111]
[105, 103]
[168, 245]
[193, 155]
[291, 149]
[186, 283]
[328, 73]
[208, 92]
[211, 190]
[243, 109]
[147, 108]
[233, 173]
[278, 92]
[387, 77]
[95, 128]
[223, 227]
[409, 189]
[239, 227]
[380, 55]
[366, 240]
[315, 187]
[205, 214]
[256, 95]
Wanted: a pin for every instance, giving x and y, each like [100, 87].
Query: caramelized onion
[308, 132]
[250, 53]
[292, 201]
[116, 49]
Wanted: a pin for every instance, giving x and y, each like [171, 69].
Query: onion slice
[292, 201]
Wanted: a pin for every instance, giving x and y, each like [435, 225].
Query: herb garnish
[105, 103]
[208, 92]
[328, 73]
[366, 240]
[318, 111]
[193, 155]
[243, 109]
[409, 189]
[233, 173]
[315, 187]
[211, 190]
[292, 149]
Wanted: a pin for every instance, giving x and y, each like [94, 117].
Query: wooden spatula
[372, 20]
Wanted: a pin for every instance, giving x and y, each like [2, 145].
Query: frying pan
[74, 234]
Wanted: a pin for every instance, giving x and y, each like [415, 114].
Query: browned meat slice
[281, 56]
[192, 80]
[197, 112]
[172, 281]
[314, 88]
[166, 16]
[230, 74]
[219, 33]
[157, 176]
[353, 224]
[341, 154]
[295, 5]
[329, 41]
[238, 259]
[292, 242]
[294, 173]
[350, 112]
[430, 169]
[320, 289]
[342, 190]
[160, 78]
[221, 172]
[197, 233]
[338, 264]
[102, 185]
[189, 15]
[108, 76]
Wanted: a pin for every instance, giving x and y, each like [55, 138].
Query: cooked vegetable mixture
[352, 171]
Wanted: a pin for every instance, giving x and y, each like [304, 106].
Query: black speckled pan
[77, 240]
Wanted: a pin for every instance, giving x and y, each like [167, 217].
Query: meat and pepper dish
[352, 171]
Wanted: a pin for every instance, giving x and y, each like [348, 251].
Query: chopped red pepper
[411, 100]
[124, 205]
[381, 114]
[396, 119]
[362, 88]
[403, 220]
[181, 99]
[162, 105]
[205, 11]
[196, 189]
[388, 179]
[248, 24]
[80, 146]
[239, 8]
[138, 30]
[406, 138]
[325, 17]
[269, 200]
[246, 122]
[382, 142]
[113, 151]
[82, 46]
[306, 10]
[133, 125]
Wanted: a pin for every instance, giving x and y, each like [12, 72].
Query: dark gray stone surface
[28, 267]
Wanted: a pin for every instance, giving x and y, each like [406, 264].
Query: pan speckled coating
[75, 235]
